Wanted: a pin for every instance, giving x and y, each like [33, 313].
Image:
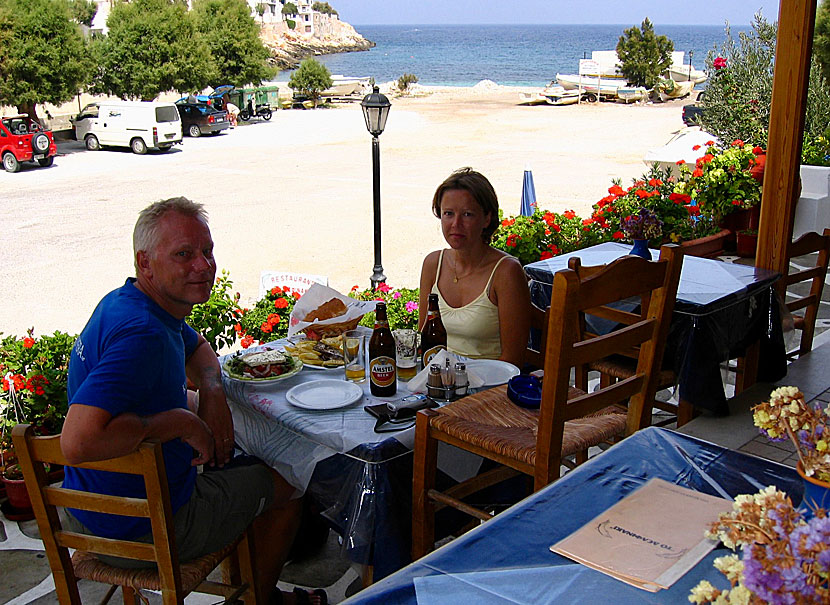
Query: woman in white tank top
[482, 292]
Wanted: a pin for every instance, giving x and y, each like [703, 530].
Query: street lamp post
[375, 111]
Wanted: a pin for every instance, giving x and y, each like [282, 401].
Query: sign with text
[296, 281]
[588, 67]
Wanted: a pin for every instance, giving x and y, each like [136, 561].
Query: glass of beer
[406, 353]
[354, 355]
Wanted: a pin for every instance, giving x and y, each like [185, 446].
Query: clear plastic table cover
[721, 308]
[361, 480]
[507, 559]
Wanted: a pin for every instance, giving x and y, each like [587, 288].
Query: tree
[232, 38]
[152, 47]
[83, 11]
[644, 56]
[739, 94]
[289, 8]
[43, 56]
[311, 78]
[821, 39]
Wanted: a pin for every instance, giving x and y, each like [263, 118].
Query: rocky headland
[289, 47]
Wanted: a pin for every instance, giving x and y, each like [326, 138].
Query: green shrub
[216, 318]
[739, 93]
[816, 150]
[401, 305]
[405, 80]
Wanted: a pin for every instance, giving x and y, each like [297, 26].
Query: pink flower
[411, 306]
[396, 295]
[383, 287]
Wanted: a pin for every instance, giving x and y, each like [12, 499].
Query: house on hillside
[272, 13]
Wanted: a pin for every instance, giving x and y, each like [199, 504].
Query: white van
[139, 125]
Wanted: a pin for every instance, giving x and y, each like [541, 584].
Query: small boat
[685, 72]
[669, 89]
[558, 95]
[532, 98]
[344, 86]
[631, 94]
[607, 87]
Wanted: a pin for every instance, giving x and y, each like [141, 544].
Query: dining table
[508, 558]
[361, 480]
[721, 309]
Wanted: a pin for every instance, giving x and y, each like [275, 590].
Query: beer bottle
[433, 335]
[382, 372]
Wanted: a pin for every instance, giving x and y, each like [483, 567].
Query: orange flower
[655, 182]
[508, 222]
[737, 143]
[697, 172]
[696, 147]
[247, 341]
[28, 343]
[680, 162]
[569, 214]
[275, 290]
[616, 190]
[281, 303]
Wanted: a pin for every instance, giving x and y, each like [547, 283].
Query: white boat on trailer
[558, 95]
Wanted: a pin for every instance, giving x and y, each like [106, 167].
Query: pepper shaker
[435, 386]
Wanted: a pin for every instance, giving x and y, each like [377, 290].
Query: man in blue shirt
[128, 383]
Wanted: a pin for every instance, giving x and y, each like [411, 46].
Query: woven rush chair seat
[89, 567]
[173, 579]
[570, 419]
[489, 420]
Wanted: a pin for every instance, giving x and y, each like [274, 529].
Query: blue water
[511, 55]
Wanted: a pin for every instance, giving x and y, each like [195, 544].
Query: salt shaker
[461, 381]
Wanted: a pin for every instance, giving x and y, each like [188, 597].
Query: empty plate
[493, 371]
[327, 394]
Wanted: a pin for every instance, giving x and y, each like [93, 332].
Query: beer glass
[406, 353]
[354, 355]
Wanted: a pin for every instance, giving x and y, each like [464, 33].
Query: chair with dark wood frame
[175, 580]
[569, 420]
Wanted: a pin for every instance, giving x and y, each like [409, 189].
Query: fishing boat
[532, 98]
[606, 87]
[632, 94]
[343, 86]
[669, 89]
[685, 72]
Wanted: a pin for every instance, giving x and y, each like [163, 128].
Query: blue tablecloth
[721, 308]
[507, 559]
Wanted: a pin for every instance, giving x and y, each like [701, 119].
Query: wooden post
[796, 21]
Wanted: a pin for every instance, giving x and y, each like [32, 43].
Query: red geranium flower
[554, 249]
[616, 190]
[383, 287]
[736, 202]
[719, 63]
[655, 182]
[546, 255]
[642, 193]
[680, 198]
[247, 341]
[618, 235]
[266, 327]
[587, 221]
[697, 172]
[696, 147]
[757, 150]
[569, 214]
[709, 143]
[680, 162]
[508, 222]
[281, 303]
[737, 143]
[28, 343]
[512, 239]
[693, 210]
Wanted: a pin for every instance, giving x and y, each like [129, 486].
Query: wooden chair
[569, 420]
[808, 243]
[173, 579]
[624, 365]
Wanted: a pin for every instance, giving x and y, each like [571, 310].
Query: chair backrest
[538, 324]
[33, 452]
[807, 244]
[569, 345]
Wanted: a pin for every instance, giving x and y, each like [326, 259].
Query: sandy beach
[295, 194]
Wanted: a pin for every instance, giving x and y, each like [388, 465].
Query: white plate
[326, 394]
[493, 371]
[298, 365]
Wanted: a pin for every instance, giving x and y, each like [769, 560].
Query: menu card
[650, 538]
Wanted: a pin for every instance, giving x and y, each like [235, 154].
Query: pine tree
[644, 56]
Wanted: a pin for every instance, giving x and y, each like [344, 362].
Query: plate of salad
[265, 365]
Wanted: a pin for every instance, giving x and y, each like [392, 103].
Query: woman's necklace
[469, 273]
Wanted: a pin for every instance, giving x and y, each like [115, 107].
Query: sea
[510, 55]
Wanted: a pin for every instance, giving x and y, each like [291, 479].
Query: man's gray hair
[145, 234]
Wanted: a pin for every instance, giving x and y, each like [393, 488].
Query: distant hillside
[289, 47]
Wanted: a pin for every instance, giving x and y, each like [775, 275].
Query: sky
[661, 12]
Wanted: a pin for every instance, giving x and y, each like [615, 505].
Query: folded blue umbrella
[528, 194]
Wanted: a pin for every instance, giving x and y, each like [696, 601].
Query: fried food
[327, 352]
[329, 309]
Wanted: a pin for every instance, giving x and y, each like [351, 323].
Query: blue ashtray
[525, 391]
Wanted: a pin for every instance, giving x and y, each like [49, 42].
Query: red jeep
[24, 140]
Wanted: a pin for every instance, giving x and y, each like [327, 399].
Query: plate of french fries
[323, 354]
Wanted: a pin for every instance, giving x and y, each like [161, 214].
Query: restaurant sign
[298, 282]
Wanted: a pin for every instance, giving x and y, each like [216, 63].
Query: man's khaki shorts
[223, 504]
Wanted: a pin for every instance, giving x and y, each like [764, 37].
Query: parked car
[214, 99]
[691, 114]
[139, 125]
[199, 119]
[22, 139]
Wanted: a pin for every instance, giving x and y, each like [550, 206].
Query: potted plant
[785, 554]
[268, 319]
[640, 228]
[747, 242]
[787, 416]
[401, 305]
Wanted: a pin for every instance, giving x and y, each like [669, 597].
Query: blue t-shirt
[130, 357]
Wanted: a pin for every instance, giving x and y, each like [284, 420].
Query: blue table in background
[721, 308]
[507, 559]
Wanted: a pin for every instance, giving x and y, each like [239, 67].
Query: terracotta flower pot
[816, 494]
[17, 493]
[706, 247]
[747, 244]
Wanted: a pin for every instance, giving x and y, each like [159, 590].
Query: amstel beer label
[430, 353]
[382, 371]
